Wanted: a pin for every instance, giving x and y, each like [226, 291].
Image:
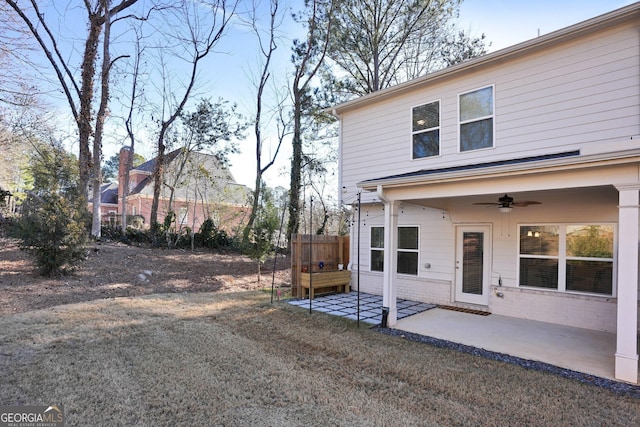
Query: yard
[227, 356]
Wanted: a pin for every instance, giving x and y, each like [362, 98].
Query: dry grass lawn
[235, 360]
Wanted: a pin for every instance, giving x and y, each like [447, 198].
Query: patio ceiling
[605, 194]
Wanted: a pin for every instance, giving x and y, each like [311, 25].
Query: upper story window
[476, 119]
[426, 130]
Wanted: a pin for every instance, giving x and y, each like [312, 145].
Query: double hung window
[377, 249]
[426, 130]
[408, 250]
[476, 119]
[183, 215]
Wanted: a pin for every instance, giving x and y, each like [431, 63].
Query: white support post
[626, 358]
[390, 260]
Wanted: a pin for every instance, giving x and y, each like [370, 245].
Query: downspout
[389, 309]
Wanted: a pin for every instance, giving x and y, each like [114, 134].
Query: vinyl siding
[577, 94]
[436, 248]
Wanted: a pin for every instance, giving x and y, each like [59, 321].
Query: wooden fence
[309, 251]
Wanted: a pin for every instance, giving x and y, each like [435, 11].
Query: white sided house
[508, 183]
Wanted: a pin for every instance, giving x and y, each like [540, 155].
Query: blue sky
[508, 23]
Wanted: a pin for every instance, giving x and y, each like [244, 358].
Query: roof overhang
[557, 162]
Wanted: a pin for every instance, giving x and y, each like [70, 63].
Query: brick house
[196, 186]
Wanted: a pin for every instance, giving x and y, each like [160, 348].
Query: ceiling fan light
[505, 209]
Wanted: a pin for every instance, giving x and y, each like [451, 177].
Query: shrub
[135, 235]
[210, 236]
[111, 232]
[135, 221]
[53, 227]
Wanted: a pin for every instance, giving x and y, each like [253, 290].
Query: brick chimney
[125, 155]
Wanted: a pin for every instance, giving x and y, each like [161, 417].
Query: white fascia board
[565, 163]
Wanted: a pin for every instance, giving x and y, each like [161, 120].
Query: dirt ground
[117, 270]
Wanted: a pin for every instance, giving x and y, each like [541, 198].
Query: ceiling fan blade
[487, 203]
[525, 203]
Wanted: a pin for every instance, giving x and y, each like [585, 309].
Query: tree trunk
[125, 190]
[296, 166]
[100, 118]
[158, 178]
[86, 98]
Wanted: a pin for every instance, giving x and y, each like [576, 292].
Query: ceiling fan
[506, 203]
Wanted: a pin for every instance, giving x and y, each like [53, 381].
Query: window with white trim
[475, 116]
[183, 215]
[568, 257]
[425, 130]
[377, 249]
[408, 250]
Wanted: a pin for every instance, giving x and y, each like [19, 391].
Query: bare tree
[202, 34]
[380, 43]
[267, 47]
[135, 94]
[79, 93]
[210, 128]
[308, 57]
[101, 115]
[16, 67]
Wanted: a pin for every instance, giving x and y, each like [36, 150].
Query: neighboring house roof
[624, 14]
[150, 165]
[219, 182]
[109, 193]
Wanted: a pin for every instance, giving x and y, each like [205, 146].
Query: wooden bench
[325, 281]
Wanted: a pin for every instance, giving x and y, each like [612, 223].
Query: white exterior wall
[436, 248]
[578, 95]
[575, 90]
[582, 94]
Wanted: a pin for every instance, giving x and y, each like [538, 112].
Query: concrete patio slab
[582, 350]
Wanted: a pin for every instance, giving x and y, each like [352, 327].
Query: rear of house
[509, 183]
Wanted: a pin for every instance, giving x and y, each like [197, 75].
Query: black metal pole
[358, 259]
[310, 253]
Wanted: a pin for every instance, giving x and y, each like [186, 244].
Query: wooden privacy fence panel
[308, 251]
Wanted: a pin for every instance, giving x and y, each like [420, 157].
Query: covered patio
[470, 243]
